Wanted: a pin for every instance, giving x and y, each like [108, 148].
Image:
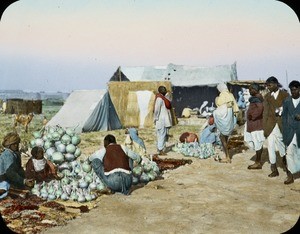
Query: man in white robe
[162, 119]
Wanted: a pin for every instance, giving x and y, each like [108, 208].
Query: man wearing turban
[11, 171]
[225, 117]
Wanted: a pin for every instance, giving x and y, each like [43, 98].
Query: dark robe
[269, 117]
[291, 125]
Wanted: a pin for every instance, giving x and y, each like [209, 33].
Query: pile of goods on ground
[194, 149]
[147, 170]
[33, 214]
[39, 210]
[79, 181]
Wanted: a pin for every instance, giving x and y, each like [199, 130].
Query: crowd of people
[265, 118]
[275, 118]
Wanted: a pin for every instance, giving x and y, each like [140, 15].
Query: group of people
[13, 175]
[114, 163]
[265, 118]
[275, 118]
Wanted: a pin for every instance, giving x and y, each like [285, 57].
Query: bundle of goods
[194, 149]
[147, 170]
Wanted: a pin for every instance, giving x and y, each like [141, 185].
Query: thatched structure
[21, 106]
[134, 101]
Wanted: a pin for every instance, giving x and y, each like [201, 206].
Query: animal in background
[22, 119]
[45, 121]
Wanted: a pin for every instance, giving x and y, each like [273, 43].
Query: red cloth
[255, 115]
[166, 100]
[114, 158]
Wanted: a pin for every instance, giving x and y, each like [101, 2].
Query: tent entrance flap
[104, 117]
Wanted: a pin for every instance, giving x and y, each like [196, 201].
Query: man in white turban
[224, 117]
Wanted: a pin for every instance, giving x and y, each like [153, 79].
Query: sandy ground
[202, 197]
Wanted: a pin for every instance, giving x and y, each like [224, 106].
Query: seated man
[209, 133]
[39, 168]
[11, 170]
[113, 164]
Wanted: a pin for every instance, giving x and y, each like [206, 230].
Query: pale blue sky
[63, 45]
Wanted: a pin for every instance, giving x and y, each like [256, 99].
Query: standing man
[162, 118]
[291, 130]
[254, 134]
[272, 123]
[225, 117]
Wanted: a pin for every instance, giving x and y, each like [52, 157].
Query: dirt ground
[202, 197]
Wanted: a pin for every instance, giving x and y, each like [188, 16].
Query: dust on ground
[202, 197]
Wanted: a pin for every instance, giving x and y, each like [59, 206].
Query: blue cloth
[6, 160]
[241, 100]
[291, 125]
[208, 135]
[11, 168]
[117, 181]
[224, 119]
[5, 186]
[134, 136]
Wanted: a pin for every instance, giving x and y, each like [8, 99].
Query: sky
[65, 45]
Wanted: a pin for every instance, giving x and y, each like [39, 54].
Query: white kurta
[163, 121]
[293, 156]
[162, 115]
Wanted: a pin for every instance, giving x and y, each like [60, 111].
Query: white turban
[221, 87]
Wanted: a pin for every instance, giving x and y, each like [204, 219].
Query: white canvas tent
[87, 110]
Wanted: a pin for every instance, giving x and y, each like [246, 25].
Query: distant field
[90, 141]
[7, 122]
